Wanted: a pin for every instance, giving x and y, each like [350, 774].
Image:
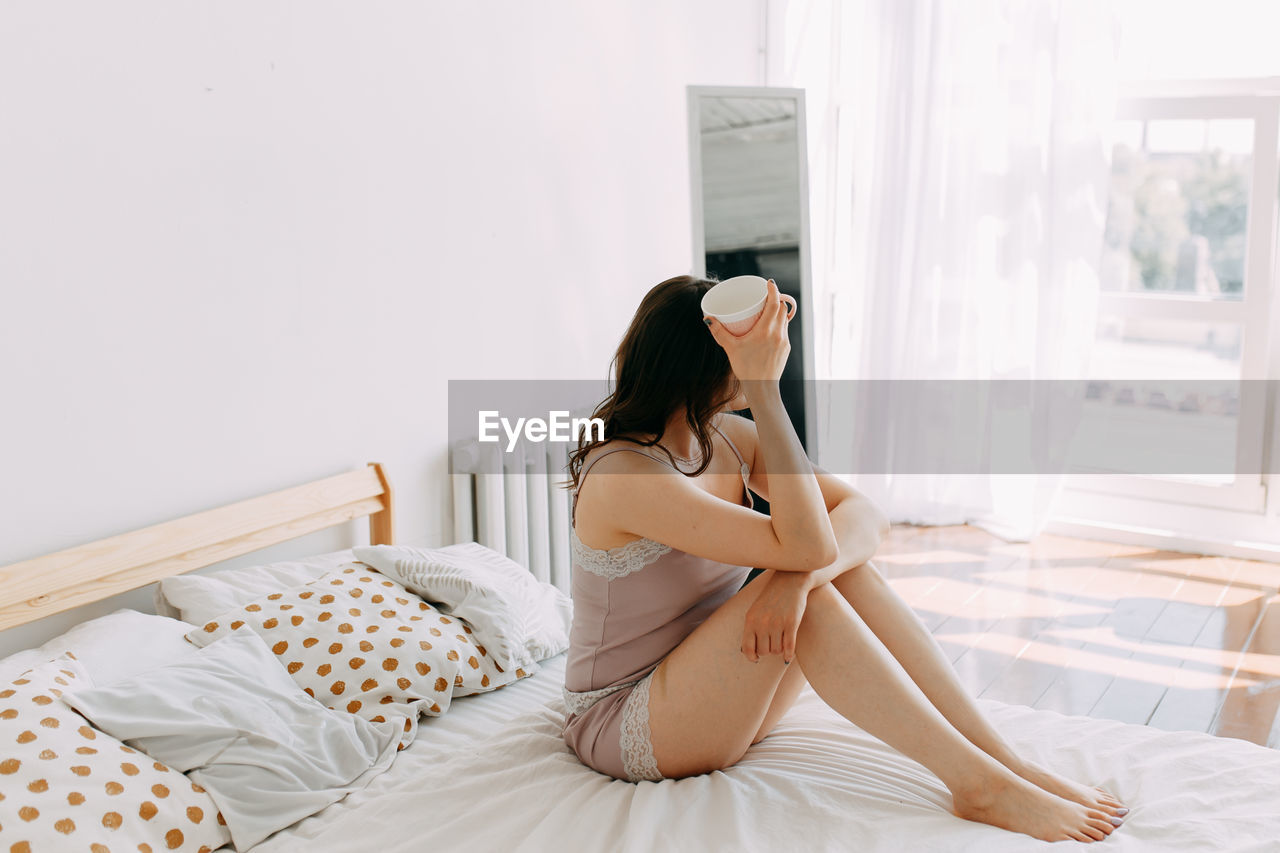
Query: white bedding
[494, 774]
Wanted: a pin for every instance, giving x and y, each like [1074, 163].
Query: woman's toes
[1111, 804]
[1104, 822]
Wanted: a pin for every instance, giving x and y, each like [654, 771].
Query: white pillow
[199, 598]
[233, 720]
[518, 618]
[110, 647]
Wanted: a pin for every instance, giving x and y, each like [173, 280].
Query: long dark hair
[667, 359]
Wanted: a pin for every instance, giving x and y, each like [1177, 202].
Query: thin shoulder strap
[732, 446]
[743, 468]
[583, 475]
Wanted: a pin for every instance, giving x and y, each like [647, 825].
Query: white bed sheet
[453, 736]
[817, 783]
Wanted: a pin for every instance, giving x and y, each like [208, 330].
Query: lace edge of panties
[578, 703]
[638, 761]
[637, 747]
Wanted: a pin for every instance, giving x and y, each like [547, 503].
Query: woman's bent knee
[825, 601]
[823, 592]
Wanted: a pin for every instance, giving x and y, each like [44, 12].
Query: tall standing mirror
[750, 210]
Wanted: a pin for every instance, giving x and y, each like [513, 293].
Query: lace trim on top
[637, 748]
[614, 563]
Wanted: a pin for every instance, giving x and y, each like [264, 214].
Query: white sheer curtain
[959, 162]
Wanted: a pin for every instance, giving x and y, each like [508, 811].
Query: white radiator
[514, 503]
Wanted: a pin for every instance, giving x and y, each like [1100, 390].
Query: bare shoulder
[606, 502]
[742, 432]
[608, 490]
[639, 460]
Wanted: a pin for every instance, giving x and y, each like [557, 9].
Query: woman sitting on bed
[675, 668]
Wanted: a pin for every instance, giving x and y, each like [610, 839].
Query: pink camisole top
[633, 604]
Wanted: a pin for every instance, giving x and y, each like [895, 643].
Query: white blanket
[817, 783]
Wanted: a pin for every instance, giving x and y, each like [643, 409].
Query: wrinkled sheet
[497, 776]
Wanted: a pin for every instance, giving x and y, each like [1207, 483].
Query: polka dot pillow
[360, 642]
[65, 785]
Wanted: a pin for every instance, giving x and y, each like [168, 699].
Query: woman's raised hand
[762, 352]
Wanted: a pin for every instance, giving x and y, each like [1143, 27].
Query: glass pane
[1178, 208]
[1152, 395]
[1148, 348]
[1166, 431]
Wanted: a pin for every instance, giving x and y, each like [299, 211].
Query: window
[1186, 272]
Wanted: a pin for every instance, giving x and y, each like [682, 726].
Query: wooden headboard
[33, 589]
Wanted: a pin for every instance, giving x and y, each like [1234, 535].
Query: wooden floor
[1170, 640]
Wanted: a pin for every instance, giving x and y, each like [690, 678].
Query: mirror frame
[695, 95]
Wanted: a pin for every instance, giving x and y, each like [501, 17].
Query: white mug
[739, 301]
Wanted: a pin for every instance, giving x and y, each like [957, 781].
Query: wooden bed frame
[33, 589]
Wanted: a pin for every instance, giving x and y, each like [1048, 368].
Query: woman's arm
[774, 617]
[798, 511]
[658, 503]
[796, 504]
[860, 526]
[857, 523]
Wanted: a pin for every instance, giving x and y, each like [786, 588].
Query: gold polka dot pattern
[359, 659]
[62, 794]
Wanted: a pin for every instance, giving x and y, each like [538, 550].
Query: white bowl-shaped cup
[739, 301]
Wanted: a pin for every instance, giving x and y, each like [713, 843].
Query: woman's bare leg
[789, 685]
[788, 690]
[707, 702]
[900, 630]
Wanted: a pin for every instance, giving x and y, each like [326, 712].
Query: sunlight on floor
[1171, 640]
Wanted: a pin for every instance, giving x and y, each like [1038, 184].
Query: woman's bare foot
[1094, 798]
[1010, 802]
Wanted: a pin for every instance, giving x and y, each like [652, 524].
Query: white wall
[244, 245]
